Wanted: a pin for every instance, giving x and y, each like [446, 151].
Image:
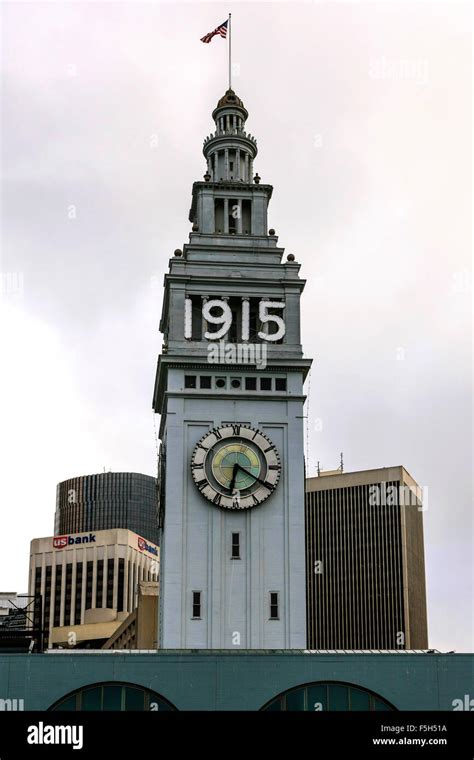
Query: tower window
[246, 216]
[219, 214]
[235, 546]
[190, 381]
[234, 213]
[205, 381]
[280, 383]
[250, 383]
[197, 605]
[274, 606]
[231, 166]
[265, 383]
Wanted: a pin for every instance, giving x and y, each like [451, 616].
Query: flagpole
[230, 50]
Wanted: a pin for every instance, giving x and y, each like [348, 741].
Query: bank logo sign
[145, 547]
[59, 542]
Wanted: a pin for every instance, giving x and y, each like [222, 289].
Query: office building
[365, 569]
[89, 583]
[107, 501]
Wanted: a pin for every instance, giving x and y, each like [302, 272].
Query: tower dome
[230, 150]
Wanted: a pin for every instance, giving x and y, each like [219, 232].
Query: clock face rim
[214, 440]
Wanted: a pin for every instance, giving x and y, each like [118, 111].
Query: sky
[362, 113]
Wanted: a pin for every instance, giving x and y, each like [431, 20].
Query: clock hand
[252, 476]
[234, 474]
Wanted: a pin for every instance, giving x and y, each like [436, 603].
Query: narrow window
[233, 208]
[274, 606]
[235, 546]
[196, 605]
[246, 216]
[219, 214]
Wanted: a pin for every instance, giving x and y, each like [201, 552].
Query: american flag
[221, 29]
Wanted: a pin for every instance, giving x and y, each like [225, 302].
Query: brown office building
[365, 565]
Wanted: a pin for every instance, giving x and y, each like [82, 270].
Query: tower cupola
[231, 200]
[230, 150]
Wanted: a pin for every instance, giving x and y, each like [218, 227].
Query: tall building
[229, 388]
[365, 565]
[89, 583]
[107, 501]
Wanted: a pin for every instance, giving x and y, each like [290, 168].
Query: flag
[221, 29]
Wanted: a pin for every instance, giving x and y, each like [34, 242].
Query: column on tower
[226, 216]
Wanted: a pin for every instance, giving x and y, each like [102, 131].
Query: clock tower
[229, 389]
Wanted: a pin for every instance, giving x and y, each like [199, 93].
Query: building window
[323, 697]
[78, 599]
[235, 546]
[220, 382]
[197, 605]
[250, 383]
[121, 582]
[110, 584]
[100, 583]
[205, 381]
[113, 696]
[274, 606]
[265, 383]
[280, 383]
[235, 382]
[57, 596]
[89, 574]
[190, 381]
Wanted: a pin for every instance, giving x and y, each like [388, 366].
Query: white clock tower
[229, 389]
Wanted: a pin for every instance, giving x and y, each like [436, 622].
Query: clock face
[235, 466]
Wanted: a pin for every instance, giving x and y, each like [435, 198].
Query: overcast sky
[362, 116]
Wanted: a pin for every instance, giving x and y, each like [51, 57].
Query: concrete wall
[240, 680]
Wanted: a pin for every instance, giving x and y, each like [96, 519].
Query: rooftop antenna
[318, 468]
[341, 466]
